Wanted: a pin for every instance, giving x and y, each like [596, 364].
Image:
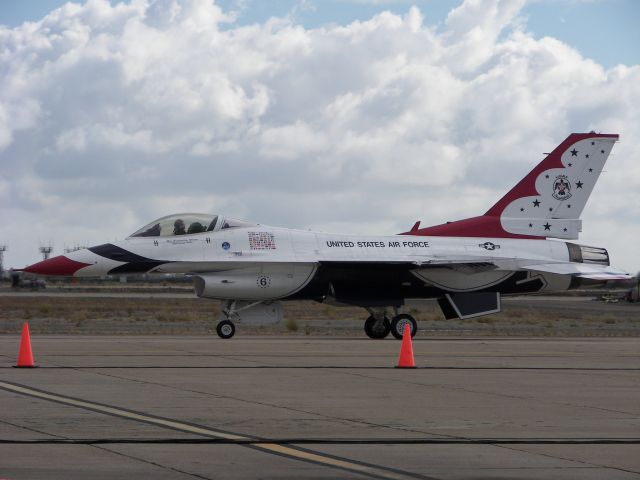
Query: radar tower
[46, 251]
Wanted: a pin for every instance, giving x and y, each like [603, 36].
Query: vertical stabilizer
[548, 201]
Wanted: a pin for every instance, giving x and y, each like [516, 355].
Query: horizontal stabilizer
[581, 270]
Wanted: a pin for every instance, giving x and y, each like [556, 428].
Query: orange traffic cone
[25, 355]
[406, 350]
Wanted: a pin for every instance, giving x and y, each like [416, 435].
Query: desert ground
[174, 309]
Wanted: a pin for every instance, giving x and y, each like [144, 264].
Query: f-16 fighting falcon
[466, 265]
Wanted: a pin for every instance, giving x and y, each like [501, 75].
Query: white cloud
[291, 142]
[111, 115]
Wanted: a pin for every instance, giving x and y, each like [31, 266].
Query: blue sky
[605, 31]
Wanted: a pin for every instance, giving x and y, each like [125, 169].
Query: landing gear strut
[225, 328]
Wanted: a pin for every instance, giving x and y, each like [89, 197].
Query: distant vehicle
[467, 264]
[610, 298]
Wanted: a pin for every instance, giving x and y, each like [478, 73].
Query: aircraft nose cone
[59, 265]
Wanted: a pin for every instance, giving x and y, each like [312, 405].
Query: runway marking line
[325, 441]
[295, 453]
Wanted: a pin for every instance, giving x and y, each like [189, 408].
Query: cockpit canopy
[188, 224]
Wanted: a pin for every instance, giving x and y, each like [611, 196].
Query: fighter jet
[516, 247]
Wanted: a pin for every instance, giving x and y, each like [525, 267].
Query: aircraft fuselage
[357, 269]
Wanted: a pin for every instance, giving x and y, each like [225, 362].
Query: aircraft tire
[376, 334]
[226, 329]
[399, 321]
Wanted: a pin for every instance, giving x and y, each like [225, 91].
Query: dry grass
[291, 324]
[166, 315]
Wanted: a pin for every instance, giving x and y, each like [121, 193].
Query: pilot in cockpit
[195, 227]
[178, 227]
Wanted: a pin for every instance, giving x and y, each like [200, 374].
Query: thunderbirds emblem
[561, 188]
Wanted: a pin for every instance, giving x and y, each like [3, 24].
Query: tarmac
[320, 407]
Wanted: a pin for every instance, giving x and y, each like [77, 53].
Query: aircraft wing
[463, 264]
[471, 264]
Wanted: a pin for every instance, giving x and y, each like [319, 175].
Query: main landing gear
[378, 325]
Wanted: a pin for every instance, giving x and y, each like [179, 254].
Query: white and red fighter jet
[466, 265]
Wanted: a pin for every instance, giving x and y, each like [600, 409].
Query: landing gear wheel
[399, 321]
[226, 329]
[375, 330]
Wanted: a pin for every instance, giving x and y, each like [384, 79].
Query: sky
[354, 116]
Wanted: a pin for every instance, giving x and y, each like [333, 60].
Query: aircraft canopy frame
[188, 224]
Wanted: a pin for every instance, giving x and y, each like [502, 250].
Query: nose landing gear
[226, 329]
[236, 312]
